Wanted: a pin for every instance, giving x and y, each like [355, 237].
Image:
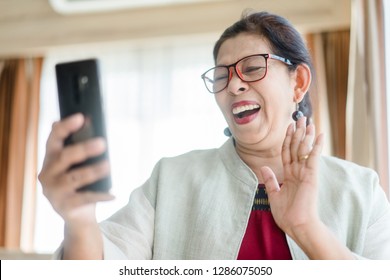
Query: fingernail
[77, 116]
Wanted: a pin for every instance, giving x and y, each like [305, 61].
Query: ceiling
[91, 6]
[32, 27]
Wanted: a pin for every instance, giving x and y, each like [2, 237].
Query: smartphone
[79, 92]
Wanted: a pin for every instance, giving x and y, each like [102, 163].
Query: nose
[236, 85]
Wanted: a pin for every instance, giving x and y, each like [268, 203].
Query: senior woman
[266, 193]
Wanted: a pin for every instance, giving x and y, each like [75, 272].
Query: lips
[245, 111]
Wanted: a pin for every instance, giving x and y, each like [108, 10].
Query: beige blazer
[197, 205]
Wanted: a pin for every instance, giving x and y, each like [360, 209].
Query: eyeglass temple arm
[282, 59]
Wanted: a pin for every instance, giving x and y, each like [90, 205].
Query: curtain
[318, 91]
[366, 104]
[350, 91]
[330, 52]
[336, 53]
[19, 108]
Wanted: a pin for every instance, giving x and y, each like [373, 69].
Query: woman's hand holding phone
[60, 184]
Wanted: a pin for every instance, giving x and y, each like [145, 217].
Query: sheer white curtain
[367, 134]
[156, 106]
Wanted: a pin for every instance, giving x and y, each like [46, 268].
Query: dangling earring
[227, 132]
[297, 114]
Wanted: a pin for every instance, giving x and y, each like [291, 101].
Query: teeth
[238, 110]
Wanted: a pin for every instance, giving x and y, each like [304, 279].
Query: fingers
[299, 140]
[286, 154]
[62, 193]
[316, 151]
[59, 159]
[78, 153]
[298, 144]
[270, 182]
[61, 130]
[76, 178]
[59, 181]
[70, 181]
[305, 146]
[55, 169]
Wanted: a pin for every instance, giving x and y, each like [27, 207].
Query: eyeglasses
[249, 69]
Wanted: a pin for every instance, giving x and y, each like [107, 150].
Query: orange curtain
[336, 51]
[330, 52]
[19, 112]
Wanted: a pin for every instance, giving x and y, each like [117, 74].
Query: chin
[248, 138]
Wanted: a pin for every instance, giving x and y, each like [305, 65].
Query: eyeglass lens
[249, 69]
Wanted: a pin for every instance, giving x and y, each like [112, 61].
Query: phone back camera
[83, 83]
[80, 85]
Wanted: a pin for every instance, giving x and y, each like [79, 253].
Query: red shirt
[263, 239]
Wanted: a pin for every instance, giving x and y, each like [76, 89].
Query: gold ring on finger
[304, 157]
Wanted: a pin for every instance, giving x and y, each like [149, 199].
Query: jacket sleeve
[129, 233]
[355, 208]
[377, 239]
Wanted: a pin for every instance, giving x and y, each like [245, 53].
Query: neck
[256, 158]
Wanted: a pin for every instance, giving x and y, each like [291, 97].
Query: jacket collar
[235, 164]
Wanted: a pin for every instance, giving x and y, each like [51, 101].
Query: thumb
[270, 182]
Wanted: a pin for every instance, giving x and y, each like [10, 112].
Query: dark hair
[283, 38]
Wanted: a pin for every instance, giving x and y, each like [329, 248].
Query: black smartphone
[79, 92]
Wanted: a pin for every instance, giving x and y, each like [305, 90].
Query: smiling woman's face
[257, 113]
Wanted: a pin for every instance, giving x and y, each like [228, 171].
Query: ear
[302, 82]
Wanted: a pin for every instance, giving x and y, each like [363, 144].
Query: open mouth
[244, 111]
